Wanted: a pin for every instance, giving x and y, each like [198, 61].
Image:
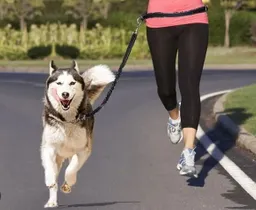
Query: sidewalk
[130, 68]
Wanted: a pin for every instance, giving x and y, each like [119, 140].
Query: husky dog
[68, 96]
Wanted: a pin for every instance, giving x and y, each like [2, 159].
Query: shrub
[111, 42]
[104, 43]
[12, 53]
[216, 27]
[253, 32]
[67, 51]
[240, 33]
[121, 19]
[39, 52]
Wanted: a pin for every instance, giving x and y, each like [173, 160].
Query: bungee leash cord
[133, 38]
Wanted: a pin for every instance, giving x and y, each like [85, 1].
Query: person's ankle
[174, 114]
[174, 121]
[189, 147]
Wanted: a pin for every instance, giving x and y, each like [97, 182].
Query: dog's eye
[59, 83]
[72, 83]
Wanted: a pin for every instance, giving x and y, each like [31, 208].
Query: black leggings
[191, 42]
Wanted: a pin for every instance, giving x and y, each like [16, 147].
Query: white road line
[243, 180]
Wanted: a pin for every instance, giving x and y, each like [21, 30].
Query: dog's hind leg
[59, 162]
[51, 171]
[76, 162]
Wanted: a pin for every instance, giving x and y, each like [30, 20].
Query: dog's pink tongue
[55, 95]
[65, 102]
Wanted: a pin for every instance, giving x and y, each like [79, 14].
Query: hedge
[107, 42]
[67, 51]
[39, 52]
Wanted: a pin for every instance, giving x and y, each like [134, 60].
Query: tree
[23, 9]
[79, 9]
[83, 9]
[131, 6]
[230, 7]
[104, 6]
[3, 9]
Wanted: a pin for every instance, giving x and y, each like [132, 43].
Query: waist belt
[174, 14]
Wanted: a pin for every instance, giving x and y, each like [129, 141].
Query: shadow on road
[209, 163]
[224, 141]
[97, 204]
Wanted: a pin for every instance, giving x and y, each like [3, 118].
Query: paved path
[133, 165]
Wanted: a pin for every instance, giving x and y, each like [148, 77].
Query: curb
[245, 139]
[130, 68]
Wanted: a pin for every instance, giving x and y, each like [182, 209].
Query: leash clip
[139, 22]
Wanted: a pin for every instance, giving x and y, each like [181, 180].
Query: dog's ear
[75, 66]
[52, 67]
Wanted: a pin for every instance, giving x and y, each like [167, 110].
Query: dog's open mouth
[65, 104]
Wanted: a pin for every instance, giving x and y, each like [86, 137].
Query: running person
[189, 36]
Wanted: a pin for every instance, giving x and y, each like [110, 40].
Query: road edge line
[234, 171]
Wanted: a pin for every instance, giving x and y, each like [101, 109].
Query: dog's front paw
[51, 204]
[66, 188]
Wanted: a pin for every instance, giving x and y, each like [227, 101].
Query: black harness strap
[129, 49]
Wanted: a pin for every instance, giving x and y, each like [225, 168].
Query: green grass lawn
[241, 107]
[235, 55]
[215, 55]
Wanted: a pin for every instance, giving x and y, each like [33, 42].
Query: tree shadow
[244, 200]
[97, 204]
[224, 141]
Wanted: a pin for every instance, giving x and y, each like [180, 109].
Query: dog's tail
[96, 79]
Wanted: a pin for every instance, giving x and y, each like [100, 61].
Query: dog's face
[65, 88]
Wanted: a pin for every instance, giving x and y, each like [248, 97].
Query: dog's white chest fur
[68, 139]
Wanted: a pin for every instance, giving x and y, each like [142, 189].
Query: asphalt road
[133, 165]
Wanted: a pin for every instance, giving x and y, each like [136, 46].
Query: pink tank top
[169, 6]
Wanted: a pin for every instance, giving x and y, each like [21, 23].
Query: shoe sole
[189, 173]
[181, 137]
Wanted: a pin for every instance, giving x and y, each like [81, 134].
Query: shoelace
[188, 158]
[174, 127]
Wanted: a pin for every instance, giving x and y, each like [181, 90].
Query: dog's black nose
[65, 95]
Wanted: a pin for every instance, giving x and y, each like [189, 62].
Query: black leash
[130, 46]
[118, 74]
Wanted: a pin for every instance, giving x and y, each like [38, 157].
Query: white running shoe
[174, 131]
[186, 164]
